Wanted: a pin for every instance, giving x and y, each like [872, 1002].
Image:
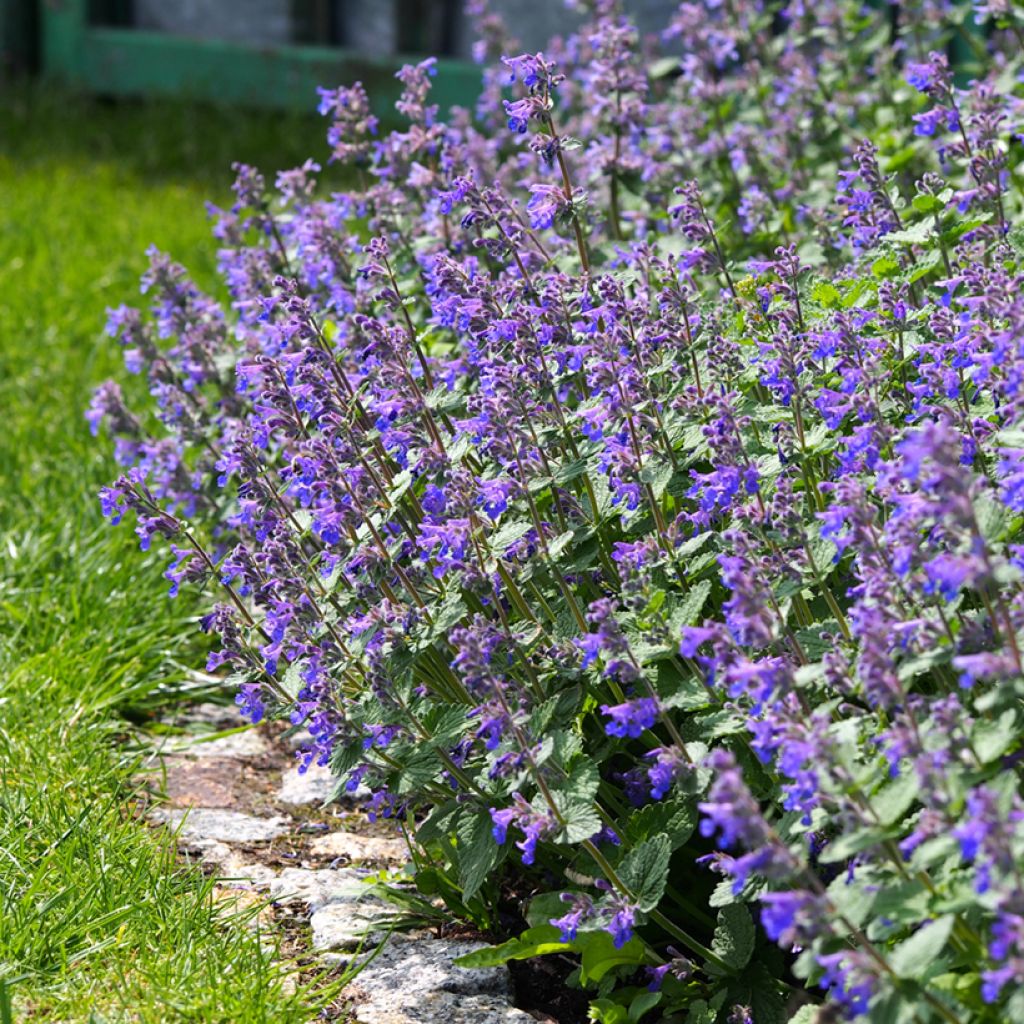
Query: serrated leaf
[509, 533]
[645, 871]
[569, 471]
[446, 724]
[657, 474]
[555, 711]
[581, 783]
[895, 798]
[915, 234]
[560, 543]
[992, 739]
[581, 820]
[766, 1001]
[885, 266]
[826, 293]
[925, 203]
[675, 819]
[439, 823]
[478, 853]
[734, 936]
[687, 611]
[914, 957]
[399, 485]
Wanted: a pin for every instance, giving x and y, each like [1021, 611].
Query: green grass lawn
[97, 922]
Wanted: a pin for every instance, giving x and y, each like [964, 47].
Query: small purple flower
[501, 820]
[631, 718]
[250, 701]
[669, 767]
[622, 922]
[546, 204]
[582, 909]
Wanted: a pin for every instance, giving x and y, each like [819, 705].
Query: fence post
[62, 34]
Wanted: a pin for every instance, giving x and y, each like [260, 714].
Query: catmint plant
[624, 481]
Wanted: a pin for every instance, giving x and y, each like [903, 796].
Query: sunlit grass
[97, 921]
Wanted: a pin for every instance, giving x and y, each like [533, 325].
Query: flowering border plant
[625, 480]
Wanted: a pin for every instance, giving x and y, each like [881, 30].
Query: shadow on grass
[158, 140]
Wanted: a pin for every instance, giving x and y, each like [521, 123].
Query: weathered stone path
[239, 806]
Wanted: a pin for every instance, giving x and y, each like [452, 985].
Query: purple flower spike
[632, 718]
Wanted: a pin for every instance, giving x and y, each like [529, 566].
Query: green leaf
[915, 234]
[916, 956]
[824, 552]
[446, 723]
[893, 801]
[478, 853]
[734, 936]
[645, 871]
[673, 818]
[806, 1015]
[533, 942]
[885, 266]
[663, 67]
[992, 739]
[581, 820]
[700, 1013]
[847, 845]
[509, 533]
[657, 474]
[450, 613]
[439, 823]
[560, 543]
[826, 293]
[687, 611]
[556, 711]
[581, 783]
[766, 1002]
[1015, 1008]
[599, 955]
[570, 471]
[543, 907]
[607, 1011]
[925, 203]
[992, 515]
[642, 1003]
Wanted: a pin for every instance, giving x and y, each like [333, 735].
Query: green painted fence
[122, 61]
[132, 62]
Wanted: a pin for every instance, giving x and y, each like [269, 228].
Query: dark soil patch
[539, 987]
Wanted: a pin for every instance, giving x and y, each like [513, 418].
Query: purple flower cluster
[633, 467]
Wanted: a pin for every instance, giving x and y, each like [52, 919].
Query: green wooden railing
[122, 61]
[131, 62]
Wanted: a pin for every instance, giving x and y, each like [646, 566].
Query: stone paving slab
[350, 923]
[312, 787]
[247, 745]
[221, 825]
[443, 1008]
[413, 979]
[211, 782]
[360, 849]
[316, 887]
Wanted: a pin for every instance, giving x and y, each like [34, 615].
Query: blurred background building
[266, 52]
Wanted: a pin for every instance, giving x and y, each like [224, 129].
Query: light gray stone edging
[412, 979]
